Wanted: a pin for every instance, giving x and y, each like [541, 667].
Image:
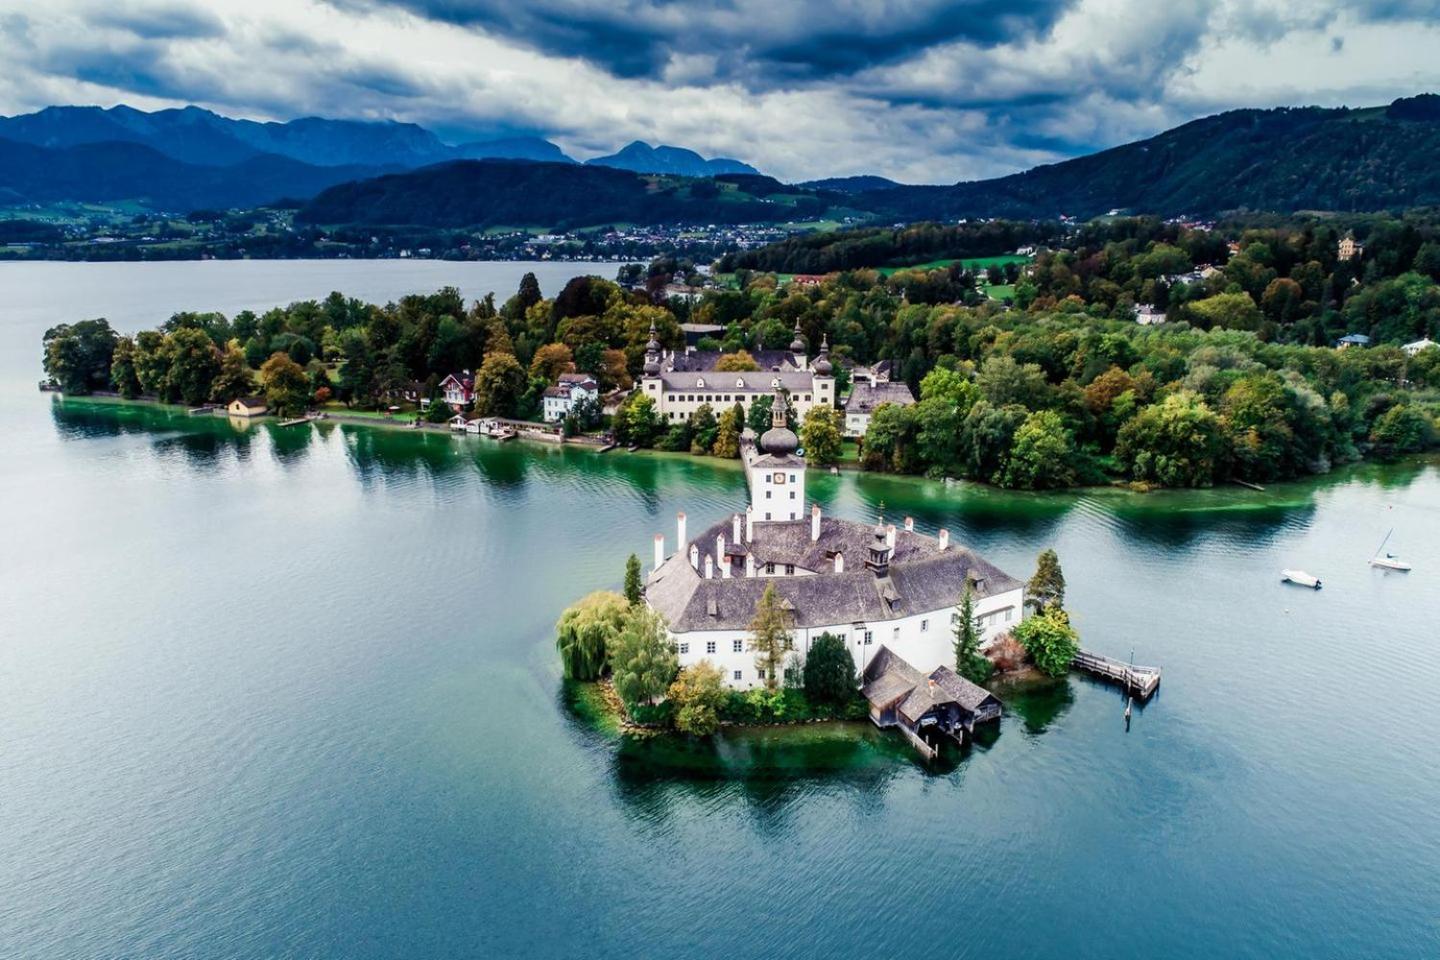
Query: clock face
[779, 478]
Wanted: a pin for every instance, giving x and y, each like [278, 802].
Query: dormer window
[740, 382]
[700, 382]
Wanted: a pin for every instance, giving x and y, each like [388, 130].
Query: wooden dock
[295, 423]
[1140, 681]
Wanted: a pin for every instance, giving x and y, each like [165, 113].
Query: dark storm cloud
[756, 42]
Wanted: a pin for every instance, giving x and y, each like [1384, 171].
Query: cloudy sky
[919, 90]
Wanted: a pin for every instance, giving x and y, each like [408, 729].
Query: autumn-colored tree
[740, 360]
[287, 389]
[697, 695]
[499, 384]
[727, 433]
[770, 638]
[550, 361]
[235, 378]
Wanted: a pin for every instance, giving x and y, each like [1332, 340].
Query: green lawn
[972, 264]
[339, 409]
[1000, 291]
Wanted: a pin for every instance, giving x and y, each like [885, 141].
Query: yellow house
[247, 407]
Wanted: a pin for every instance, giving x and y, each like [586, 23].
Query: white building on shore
[680, 382]
[871, 585]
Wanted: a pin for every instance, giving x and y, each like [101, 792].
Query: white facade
[777, 493]
[677, 398]
[925, 640]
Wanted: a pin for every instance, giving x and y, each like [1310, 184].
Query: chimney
[694, 557]
[815, 523]
[944, 539]
[890, 536]
[839, 563]
[724, 567]
[909, 524]
[659, 550]
[735, 529]
[749, 565]
[681, 539]
[749, 524]
[709, 567]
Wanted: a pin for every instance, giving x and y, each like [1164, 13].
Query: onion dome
[822, 362]
[798, 344]
[779, 440]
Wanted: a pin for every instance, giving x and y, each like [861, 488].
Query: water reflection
[1037, 701]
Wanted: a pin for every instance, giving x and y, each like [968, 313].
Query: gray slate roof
[865, 397]
[921, 578]
[891, 681]
[753, 381]
[700, 360]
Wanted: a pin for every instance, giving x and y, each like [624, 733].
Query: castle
[680, 382]
[871, 585]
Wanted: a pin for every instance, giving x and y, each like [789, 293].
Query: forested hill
[1280, 160]
[107, 172]
[490, 193]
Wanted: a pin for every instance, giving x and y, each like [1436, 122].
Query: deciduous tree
[586, 630]
[642, 658]
[697, 695]
[770, 638]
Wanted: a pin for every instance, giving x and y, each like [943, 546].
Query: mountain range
[198, 136]
[1281, 160]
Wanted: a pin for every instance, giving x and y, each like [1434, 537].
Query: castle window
[895, 634]
[789, 569]
[684, 648]
[738, 646]
[709, 646]
[924, 626]
[737, 674]
[770, 568]
[869, 637]
[792, 494]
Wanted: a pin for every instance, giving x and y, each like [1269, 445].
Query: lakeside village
[1276, 355]
[779, 614]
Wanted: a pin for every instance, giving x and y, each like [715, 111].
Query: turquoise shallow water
[291, 693]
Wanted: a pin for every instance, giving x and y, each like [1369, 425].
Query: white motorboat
[1301, 578]
[1388, 560]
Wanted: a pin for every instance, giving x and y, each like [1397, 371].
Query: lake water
[274, 692]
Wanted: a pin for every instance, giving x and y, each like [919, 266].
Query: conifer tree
[970, 663]
[632, 580]
[1046, 590]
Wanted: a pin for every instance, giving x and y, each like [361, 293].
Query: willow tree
[770, 635]
[586, 630]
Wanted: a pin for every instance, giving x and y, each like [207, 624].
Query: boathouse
[247, 407]
[923, 705]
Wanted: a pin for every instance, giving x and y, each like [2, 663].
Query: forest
[1057, 387]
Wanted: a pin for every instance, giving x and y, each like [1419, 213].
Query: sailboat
[1388, 560]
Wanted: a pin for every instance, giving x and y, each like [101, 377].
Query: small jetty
[295, 422]
[1247, 483]
[203, 409]
[1137, 680]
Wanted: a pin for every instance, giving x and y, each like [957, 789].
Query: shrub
[695, 699]
[1049, 640]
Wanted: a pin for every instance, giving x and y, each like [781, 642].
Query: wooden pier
[295, 422]
[1140, 681]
